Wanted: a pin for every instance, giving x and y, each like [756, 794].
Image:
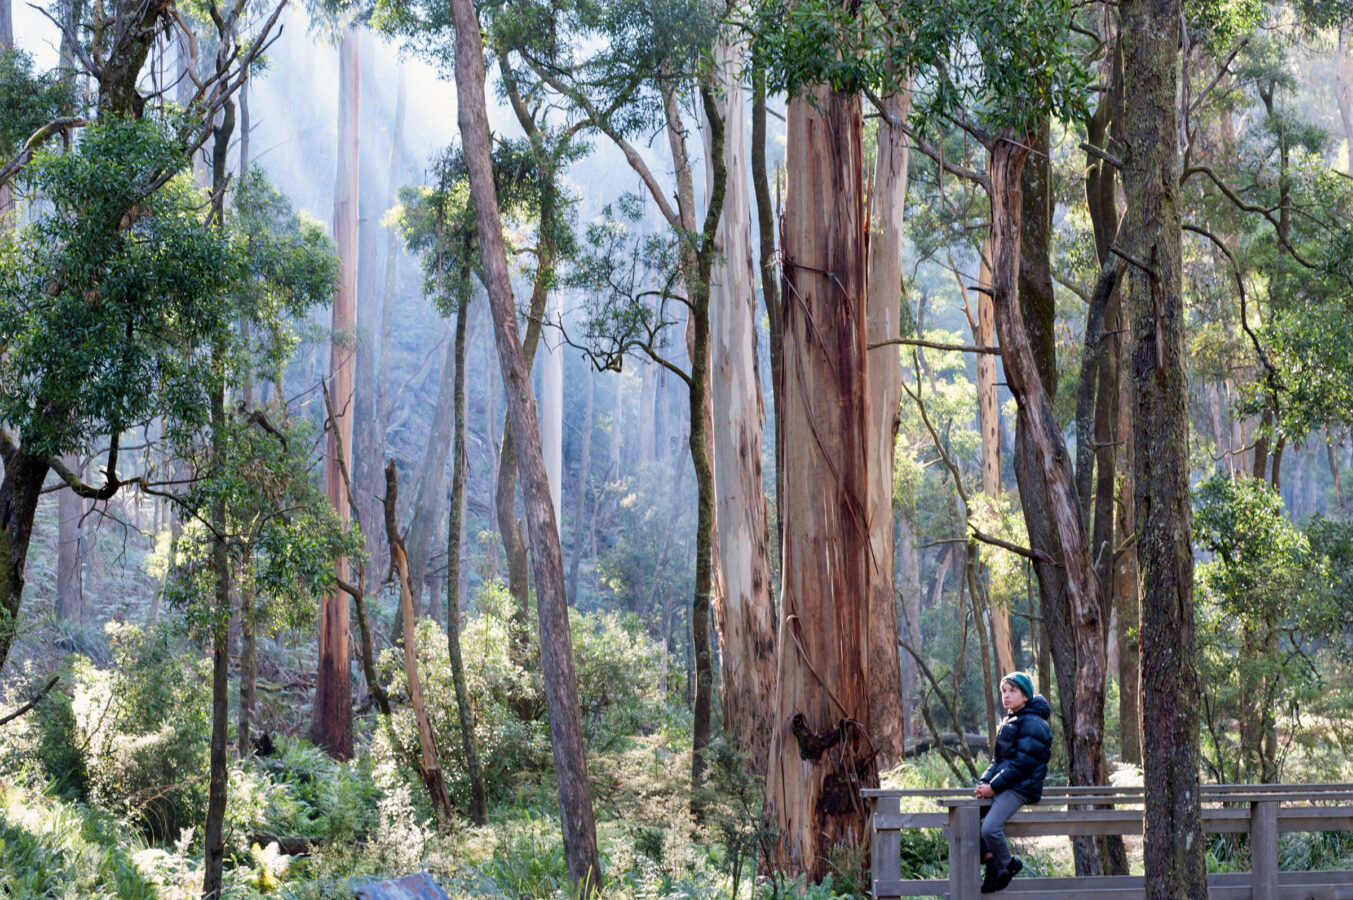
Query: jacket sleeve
[993, 771]
[1033, 745]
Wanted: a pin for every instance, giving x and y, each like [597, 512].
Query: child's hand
[983, 792]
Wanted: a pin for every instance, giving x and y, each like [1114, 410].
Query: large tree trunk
[331, 728]
[746, 617]
[884, 312]
[19, 492]
[478, 805]
[1036, 419]
[821, 752]
[1174, 845]
[213, 832]
[556, 651]
[368, 445]
[381, 425]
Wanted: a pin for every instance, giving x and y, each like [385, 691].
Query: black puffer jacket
[1023, 747]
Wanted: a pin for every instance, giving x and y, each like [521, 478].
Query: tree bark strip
[746, 616]
[884, 387]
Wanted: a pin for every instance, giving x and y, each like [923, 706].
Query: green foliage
[282, 534]
[52, 848]
[617, 668]
[528, 861]
[1005, 66]
[28, 100]
[312, 795]
[1261, 559]
[103, 300]
[290, 266]
[142, 725]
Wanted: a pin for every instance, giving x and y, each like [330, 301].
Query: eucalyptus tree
[437, 221]
[96, 325]
[995, 74]
[622, 69]
[556, 651]
[512, 30]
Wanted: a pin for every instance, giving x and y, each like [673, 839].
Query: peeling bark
[824, 660]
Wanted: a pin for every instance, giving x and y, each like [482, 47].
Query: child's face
[1012, 698]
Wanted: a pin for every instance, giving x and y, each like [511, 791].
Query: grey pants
[994, 817]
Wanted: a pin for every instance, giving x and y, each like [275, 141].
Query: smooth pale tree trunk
[821, 753]
[556, 652]
[1174, 848]
[648, 392]
[552, 407]
[478, 805]
[331, 728]
[580, 529]
[989, 423]
[883, 314]
[745, 620]
[69, 584]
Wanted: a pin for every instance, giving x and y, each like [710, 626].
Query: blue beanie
[1022, 681]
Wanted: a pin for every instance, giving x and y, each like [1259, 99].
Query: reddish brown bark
[331, 728]
[821, 754]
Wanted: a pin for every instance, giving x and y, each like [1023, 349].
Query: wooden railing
[1262, 810]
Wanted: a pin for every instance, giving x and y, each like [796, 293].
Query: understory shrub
[618, 670]
[142, 724]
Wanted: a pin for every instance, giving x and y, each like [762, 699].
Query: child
[1016, 773]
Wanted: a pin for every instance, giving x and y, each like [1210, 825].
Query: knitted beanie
[1022, 681]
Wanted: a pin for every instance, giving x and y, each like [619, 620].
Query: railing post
[1264, 850]
[885, 846]
[964, 825]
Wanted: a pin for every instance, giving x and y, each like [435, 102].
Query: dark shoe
[999, 880]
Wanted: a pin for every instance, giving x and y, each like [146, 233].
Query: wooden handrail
[1263, 811]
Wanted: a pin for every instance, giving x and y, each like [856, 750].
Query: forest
[571, 448]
